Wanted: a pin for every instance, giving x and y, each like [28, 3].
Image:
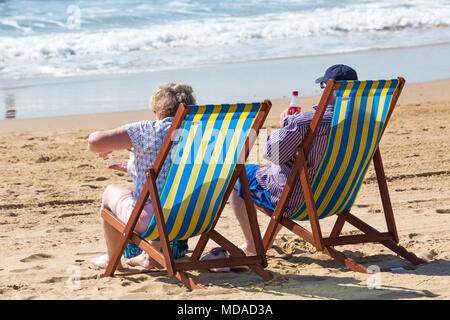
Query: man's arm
[282, 143]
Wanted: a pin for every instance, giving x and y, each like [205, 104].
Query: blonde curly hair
[166, 99]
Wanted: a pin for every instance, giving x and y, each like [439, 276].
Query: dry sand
[50, 195]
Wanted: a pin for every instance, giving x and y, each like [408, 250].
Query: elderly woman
[143, 139]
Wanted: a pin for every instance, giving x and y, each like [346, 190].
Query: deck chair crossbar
[162, 214]
[299, 172]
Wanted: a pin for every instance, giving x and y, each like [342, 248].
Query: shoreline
[69, 78]
[234, 82]
[431, 91]
[445, 43]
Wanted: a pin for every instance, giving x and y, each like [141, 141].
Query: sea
[55, 53]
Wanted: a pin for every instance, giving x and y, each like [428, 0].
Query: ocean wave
[186, 41]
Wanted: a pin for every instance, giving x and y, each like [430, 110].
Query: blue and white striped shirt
[147, 138]
[280, 150]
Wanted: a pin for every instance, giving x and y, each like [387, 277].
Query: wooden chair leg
[264, 274]
[270, 233]
[354, 266]
[390, 244]
[160, 223]
[200, 247]
[337, 228]
[251, 216]
[384, 193]
[188, 281]
[310, 203]
[402, 252]
[235, 251]
[348, 262]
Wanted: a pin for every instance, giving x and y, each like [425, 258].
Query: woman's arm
[120, 166]
[103, 142]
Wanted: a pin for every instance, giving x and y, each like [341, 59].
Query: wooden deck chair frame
[326, 244]
[256, 263]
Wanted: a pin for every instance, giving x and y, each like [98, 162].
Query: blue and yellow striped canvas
[203, 158]
[359, 115]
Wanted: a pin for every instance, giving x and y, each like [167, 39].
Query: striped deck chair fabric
[360, 111]
[203, 157]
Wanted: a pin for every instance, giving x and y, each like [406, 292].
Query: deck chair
[361, 112]
[210, 145]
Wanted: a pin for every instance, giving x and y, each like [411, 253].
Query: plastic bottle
[294, 106]
[111, 161]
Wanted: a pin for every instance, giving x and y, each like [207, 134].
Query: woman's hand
[120, 166]
[104, 154]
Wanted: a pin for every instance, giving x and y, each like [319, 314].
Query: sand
[51, 189]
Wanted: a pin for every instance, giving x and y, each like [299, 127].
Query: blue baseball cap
[338, 72]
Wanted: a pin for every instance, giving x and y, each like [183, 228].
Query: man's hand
[283, 116]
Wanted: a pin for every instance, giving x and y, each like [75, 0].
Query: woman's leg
[111, 196]
[144, 259]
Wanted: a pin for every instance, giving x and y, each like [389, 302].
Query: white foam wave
[14, 24]
[86, 50]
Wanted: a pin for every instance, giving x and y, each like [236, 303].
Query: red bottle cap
[295, 93]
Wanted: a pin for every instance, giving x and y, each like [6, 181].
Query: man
[267, 182]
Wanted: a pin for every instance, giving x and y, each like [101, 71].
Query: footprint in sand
[414, 235]
[54, 280]
[60, 230]
[36, 257]
[89, 253]
[68, 215]
[173, 290]
[428, 255]
[90, 186]
[432, 254]
[18, 270]
[27, 269]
